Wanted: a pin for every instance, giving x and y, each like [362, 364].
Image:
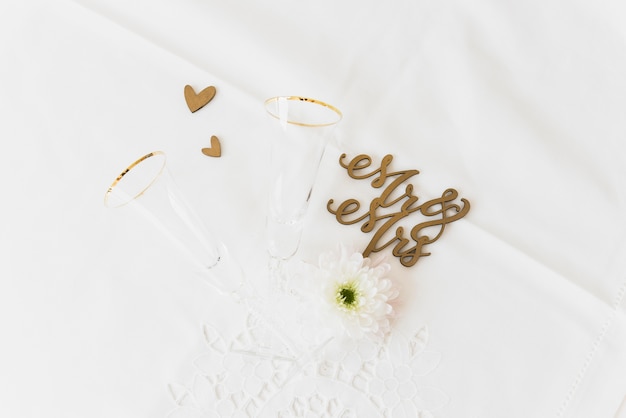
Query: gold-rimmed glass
[148, 187]
[300, 129]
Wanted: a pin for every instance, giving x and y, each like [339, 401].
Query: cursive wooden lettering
[382, 222]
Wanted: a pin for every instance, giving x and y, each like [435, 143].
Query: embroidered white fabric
[253, 375]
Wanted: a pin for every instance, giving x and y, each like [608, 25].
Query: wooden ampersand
[198, 101]
[215, 150]
[407, 249]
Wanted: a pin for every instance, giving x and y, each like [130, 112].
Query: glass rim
[308, 100]
[126, 171]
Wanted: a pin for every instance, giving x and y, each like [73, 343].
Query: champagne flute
[301, 128]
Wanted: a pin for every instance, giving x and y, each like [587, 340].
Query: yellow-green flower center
[347, 295]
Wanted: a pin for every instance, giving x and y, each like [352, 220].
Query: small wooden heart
[215, 150]
[198, 101]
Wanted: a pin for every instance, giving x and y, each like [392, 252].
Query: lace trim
[254, 375]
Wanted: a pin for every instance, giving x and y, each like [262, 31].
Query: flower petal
[348, 272]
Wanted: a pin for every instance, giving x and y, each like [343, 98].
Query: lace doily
[256, 375]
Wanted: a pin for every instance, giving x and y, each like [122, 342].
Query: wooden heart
[215, 150]
[198, 101]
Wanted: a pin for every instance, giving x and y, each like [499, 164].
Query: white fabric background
[519, 106]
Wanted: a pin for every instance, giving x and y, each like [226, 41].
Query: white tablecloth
[518, 106]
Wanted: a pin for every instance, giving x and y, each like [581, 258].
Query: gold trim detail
[130, 167]
[304, 99]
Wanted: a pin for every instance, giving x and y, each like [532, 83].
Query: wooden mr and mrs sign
[386, 210]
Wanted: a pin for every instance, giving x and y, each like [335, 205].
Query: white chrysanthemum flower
[356, 291]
